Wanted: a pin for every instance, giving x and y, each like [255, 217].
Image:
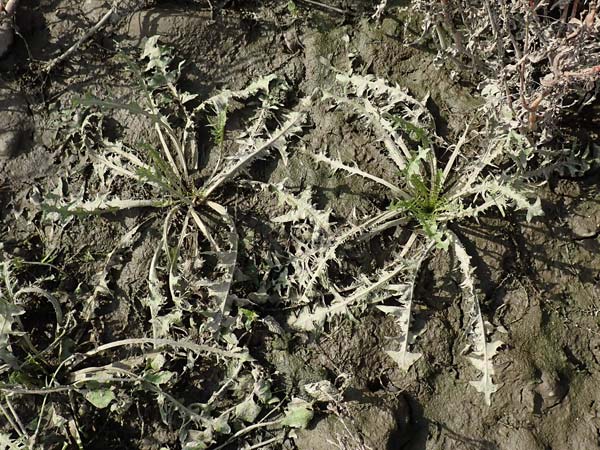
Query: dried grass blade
[290, 127]
[483, 352]
[204, 229]
[454, 155]
[167, 150]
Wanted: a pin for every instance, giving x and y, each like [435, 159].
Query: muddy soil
[539, 281]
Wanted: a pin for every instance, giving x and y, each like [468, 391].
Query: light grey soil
[540, 281]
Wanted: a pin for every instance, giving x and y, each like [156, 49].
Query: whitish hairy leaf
[482, 351]
[313, 263]
[254, 148]
[394, 143]
[521, 202]
[312, 319]
[155, 299]
[227, 262]
[501, 196]
[338, 165]
[8, 443]
[402, 314]
[376, 101]
[101, 278]
[176, 285]
[369, 85]
[221, 100]
[302, 208]
[100, 205]
[367, 292]
[9, 313]
[404, 359]
[484, 385]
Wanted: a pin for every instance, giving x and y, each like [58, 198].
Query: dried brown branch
[117, 10]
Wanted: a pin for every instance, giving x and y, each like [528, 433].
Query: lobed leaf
[483, 352]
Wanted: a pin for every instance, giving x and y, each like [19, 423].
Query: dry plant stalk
[544, 58]
[9, 8]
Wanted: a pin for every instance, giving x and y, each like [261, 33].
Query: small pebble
[584, 221]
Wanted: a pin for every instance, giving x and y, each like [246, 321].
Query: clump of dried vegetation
[541, 58]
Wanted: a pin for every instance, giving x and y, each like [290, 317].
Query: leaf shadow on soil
[467, 443]
[422, 428]
[520, 254]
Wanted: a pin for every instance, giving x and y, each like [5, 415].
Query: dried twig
[325, 6]
[9, 8]
[49, 66]
[115, 10]
[380, 9]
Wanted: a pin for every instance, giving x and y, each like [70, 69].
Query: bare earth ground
[540, 280]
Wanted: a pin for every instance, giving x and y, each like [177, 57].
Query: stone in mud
[15, 122]
[551, 390]
[369, 423]
[584, 221]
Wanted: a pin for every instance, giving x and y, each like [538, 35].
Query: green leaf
[159, 378]
[195, 446]
[292, 8]
[248, 315]
[248, 410]
[157, 362]
[217, 123]
[416, 133]
[263, 392]
[100, 398]
[221, 425]
[299, 414]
